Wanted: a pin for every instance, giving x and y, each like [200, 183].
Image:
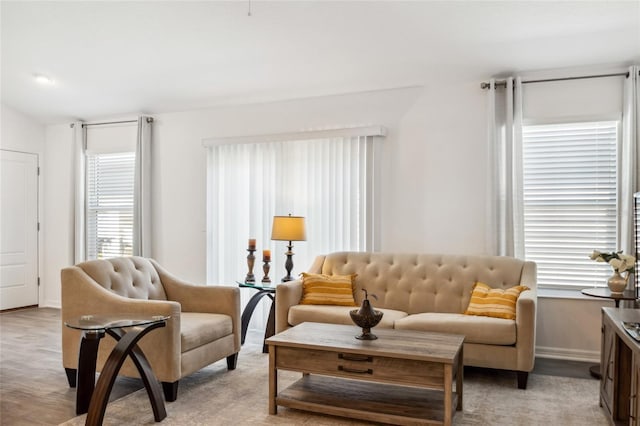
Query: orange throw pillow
[321, 289]
[494, 302]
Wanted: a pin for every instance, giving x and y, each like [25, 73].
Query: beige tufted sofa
[430, 292]
[204, 326]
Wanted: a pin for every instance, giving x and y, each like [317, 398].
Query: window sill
[547, 293]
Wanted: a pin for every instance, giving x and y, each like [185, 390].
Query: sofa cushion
[197, 329]
[321, 289]
[485, 330]
[494, 302]
[337, 315]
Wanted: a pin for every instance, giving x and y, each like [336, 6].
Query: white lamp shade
[289, 228]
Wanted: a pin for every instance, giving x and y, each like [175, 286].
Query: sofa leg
[232, 361]
[522, 379]
[170, 390]
[72, 375]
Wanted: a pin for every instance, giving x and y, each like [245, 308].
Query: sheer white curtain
[331, 182]
[629, 160]
[326, 181]
[505, 228]
[142, 190]
[79, 137]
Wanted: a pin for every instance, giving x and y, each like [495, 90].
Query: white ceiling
[113, 58]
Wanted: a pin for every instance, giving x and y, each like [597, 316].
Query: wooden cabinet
[607, 367]
[620, 366]
[634, 416]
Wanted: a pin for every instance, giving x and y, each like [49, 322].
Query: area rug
[215, 396]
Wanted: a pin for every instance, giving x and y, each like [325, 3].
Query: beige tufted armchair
[204, 326]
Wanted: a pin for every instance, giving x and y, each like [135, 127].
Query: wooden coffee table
[413, 373]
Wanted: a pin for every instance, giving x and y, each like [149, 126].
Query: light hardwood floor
[33, 384]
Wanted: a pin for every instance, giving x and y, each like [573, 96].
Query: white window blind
[110, 204]
[331, 182]
[569, 189]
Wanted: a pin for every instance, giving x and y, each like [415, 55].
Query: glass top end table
[258, 285]
[107, 322]
[92, 397]
[264, 289]
[605, 293]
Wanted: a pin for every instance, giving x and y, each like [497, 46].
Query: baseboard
[567, 354]
[50, 304]
[18, 309]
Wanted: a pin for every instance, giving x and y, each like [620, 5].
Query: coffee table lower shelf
[394, 404]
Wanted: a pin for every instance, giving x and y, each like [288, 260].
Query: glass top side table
[605, 293]
[92, 397]
[105, 322]
[263, 290]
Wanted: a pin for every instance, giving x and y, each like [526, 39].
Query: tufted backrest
[416, 283]
[132, 277]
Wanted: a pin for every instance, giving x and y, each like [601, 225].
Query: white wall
[433, 197]
[570, 327]
[19, 132]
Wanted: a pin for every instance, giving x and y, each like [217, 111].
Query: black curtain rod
[149, 120]
[503, 83]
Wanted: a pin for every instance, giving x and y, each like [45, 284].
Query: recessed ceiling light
[43, 79]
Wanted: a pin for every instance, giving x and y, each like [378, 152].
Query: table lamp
[288, 228]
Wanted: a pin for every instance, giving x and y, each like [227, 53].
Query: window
[110, 204]
[569, 189]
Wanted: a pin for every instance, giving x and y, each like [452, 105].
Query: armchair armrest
[81, 295]
[287, 295]
[200, 298]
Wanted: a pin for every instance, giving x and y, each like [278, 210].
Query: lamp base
[288, 264]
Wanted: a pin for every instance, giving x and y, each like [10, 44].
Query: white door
[18, 229]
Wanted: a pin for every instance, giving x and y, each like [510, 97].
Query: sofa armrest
[526, 329]
[316, 266]
[81, 295]
[529, 275]
[287, 295]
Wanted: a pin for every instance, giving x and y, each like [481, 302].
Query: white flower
[627, 262]
[618, 261]
[616, 264]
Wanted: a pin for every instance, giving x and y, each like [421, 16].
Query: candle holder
[250, 278]
[265, 269]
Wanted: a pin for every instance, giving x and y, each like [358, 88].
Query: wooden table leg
[460, 379]
[151, 383]
[86, 375]
[248, 312]
[126, 347]
[448, 393]
[273, 381]
[270, 330]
